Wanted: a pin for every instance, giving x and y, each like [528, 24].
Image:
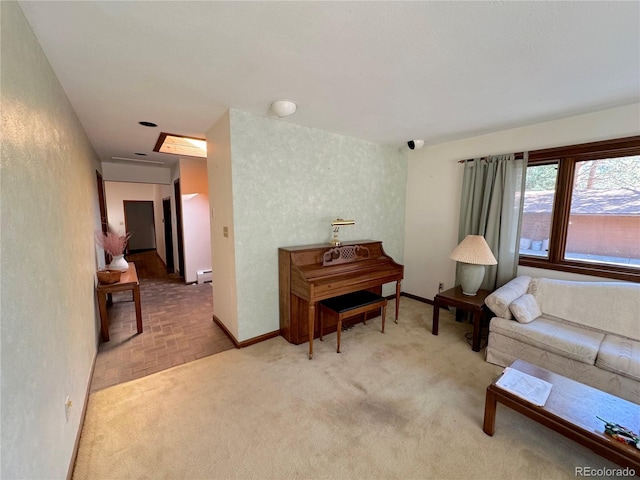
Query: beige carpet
[400, 405]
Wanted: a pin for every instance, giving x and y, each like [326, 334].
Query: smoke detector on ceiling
[283, 108]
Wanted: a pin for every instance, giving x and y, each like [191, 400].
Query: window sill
[605, 271]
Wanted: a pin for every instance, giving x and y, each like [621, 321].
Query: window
[581, 209]
[604, 218]
[540, 191]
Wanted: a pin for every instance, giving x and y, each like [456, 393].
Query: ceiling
[385, 72]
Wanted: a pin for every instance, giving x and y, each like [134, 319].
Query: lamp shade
[339, 222]
[474, 250]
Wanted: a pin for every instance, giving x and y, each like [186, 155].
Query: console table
[455, 298]
[128, 281]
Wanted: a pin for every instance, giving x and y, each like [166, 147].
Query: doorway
[138, 220]
[168, 233]
[178, 197]
[102, 203]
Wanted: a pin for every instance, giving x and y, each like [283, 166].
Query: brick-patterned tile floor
[177, 328]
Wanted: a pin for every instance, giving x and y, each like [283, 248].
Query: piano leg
[397, 299]
[312, 319]
[384, 314]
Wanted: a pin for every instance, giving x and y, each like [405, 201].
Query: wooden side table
[455, 298]
[128, 281]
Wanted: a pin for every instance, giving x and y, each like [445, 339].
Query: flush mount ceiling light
[181, 145]
[283, 108]
[415, 144]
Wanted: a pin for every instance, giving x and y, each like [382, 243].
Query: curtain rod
[518, 156]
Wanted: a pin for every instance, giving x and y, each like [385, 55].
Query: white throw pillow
[525, 308]
[500, 300]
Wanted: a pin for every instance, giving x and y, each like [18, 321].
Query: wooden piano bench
[350, 305]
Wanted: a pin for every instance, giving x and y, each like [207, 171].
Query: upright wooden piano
[308, 274]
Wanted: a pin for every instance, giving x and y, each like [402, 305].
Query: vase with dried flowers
[114, 243]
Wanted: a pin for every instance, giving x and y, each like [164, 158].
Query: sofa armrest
[500, 299]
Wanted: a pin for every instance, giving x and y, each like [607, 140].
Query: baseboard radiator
[204, 276]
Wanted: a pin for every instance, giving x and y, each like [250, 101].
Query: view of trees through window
[540, 189]
[604, 220]
[604, 216]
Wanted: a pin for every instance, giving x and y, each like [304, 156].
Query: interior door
[168, 233]
[138, 219]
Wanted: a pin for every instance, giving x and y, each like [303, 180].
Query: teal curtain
[491, 206]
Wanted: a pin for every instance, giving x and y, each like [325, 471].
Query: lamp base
[335, 242]
[471, 277]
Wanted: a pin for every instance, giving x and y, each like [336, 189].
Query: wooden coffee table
[571, 410]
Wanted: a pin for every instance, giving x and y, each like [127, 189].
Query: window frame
[566, 158]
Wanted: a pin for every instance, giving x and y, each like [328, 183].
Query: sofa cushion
[525, 308]
[572, 342]
[500, 299]
[608, 306]
[620, 355]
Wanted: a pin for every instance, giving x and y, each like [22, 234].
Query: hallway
[177, 322]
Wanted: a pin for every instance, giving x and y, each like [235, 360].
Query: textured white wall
[119, 172]
[435, 181]
[223, 254]
[161, 192]
[49, 213]
[289, 183]
[115, 195]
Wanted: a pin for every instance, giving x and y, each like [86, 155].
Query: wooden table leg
[312, 319]
[338, 331]
[136, 299]
[477, 319]
[384, 314]
[436, 316]
[489, 413]
[104, 321]
[397, 299]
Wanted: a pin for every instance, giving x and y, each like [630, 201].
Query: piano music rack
[344, 254]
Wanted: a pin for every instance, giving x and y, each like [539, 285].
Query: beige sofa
[588, 331]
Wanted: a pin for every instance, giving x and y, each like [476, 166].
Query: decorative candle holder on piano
[336, 224]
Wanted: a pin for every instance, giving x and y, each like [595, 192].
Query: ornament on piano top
[336, 224]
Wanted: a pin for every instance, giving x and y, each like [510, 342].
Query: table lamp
[336, 224]
[473, 254]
